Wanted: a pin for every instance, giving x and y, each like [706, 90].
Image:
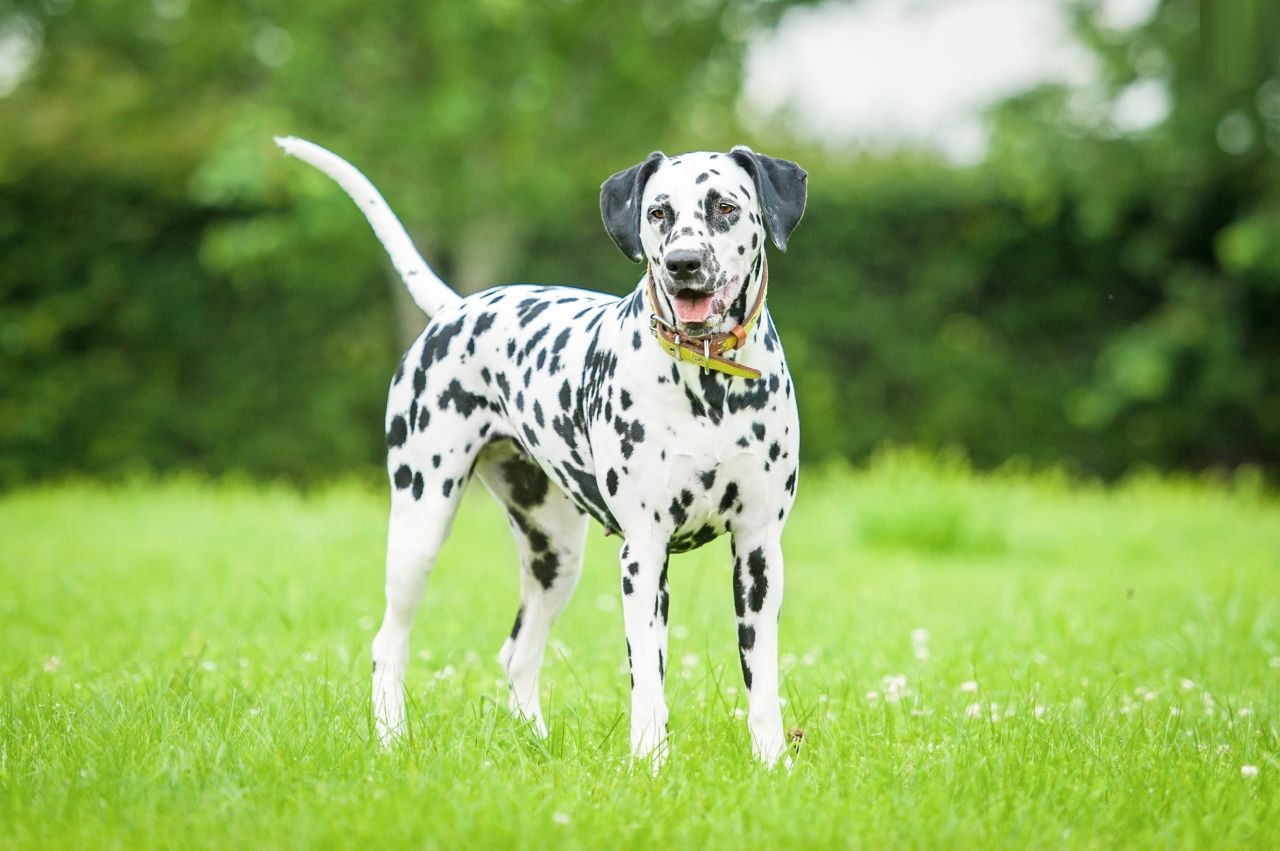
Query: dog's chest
[712, 460]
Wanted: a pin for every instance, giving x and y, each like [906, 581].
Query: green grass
[1008, 660]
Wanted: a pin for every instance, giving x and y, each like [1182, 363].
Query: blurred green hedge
[175, 294]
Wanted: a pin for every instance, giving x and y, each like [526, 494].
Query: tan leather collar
[707, 350]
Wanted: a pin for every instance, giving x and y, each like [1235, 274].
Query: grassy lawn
[976, 661]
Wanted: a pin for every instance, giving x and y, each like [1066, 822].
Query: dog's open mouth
[694, 307]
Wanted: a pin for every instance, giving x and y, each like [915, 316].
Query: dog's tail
[428, 291]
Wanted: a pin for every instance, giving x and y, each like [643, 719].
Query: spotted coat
[563, 404]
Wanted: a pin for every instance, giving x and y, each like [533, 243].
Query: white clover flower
[895, 687]
[1248, 771]
[973, 710]
[1187, 685]
[52, 664]
[560, 818]
[969, 686]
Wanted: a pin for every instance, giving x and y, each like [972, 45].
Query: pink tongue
[691, 307]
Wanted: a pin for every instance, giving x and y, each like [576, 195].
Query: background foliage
[175, 294]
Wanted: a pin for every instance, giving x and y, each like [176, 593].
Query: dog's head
[699, 220]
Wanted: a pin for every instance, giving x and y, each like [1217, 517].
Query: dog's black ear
[781, 186]
[620, 199]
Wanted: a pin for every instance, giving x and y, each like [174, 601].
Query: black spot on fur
[611, 481]
[403, 477]
[463, 402]
[483, 323]
[677, 512]
[527, 483]
[545, 567]
[729, 498]
[535, 340]
[530, 309]
[397, 433]
[759, 581]
[418, 485]
[435, 344]
[739, 589]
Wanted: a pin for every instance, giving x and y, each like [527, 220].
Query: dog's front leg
[757, 598]
[644, 610]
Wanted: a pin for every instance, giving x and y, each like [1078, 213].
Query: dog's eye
[657, 213]
[727, 208]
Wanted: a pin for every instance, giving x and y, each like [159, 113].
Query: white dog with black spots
[667, 415]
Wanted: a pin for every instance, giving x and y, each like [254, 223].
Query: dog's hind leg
[426, 490]
[550, 534]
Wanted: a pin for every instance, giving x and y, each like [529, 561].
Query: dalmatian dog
[667, 415]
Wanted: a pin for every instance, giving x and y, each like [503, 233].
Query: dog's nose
[684, 264]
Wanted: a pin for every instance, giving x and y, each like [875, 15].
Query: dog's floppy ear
[781, 186]
[620, 199]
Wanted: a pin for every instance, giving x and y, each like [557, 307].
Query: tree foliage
[174, 293]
